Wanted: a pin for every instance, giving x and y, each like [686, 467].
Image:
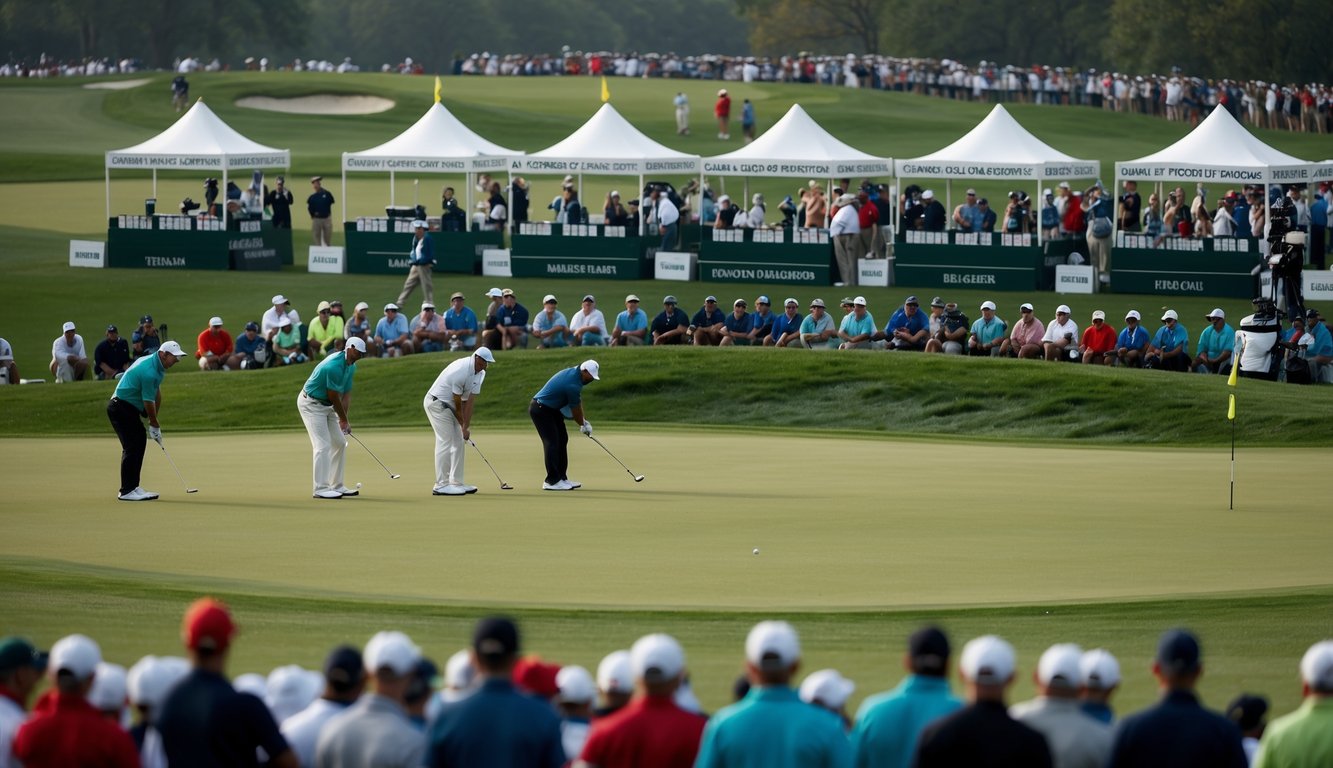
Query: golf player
[138, 396]
[448, 405]
[561, 398]
[323, 404]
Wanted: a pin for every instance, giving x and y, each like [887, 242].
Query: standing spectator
[846, 233]
[320, 207]
[1216, 344]
[549, 327]
[324, 336]
[1240, 214]
[344, 680]
[427, 329]
[575, 694]
[392, 335]
[287, 343]
[1050, 216]
[8, 367]
[323, 403]
[613, 213]
[460, 324]
[518, 201]
[666, 216]
[1304, 738]
[138, 395]
[375, 732]
[497, 725]
[111, 358]
[1101, 677]
[206, 722]
[1319, 226]
[588, 328]
[816, 206]
[828, 690]
[888, 724]
[1072, 219]
[786, 330]
[1098, 209]
[1177, 731]
[279, 201]
[562, 392]
[1131, 346]
[757, 211]
[449, 403]
[983, 733]
[1169, 349]
[682, 106]
[771, 726]
[966, 215]
[571, 209]
[452, 216]
[631, 325]
[214, 347]
[1130, 205]
[1075, 740]
[671, 323]
[69, 359]
[1248, 712]
[933, 215]
[21, 669]
[1098, 345]
[421, 263]
[747, 120]
[615, 682]
[818, 330]
[1058, 340]
[722, 111]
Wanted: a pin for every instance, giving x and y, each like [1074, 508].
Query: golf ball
[358, 486]
[756, 550]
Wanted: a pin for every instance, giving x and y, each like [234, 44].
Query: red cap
[536, 676]
[207, 625]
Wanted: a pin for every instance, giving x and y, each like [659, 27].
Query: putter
[503, 485]
[179, 476]
[392, 476]
[637, 478]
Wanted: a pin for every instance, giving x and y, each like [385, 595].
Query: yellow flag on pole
[1235, 369]
[606, 90]
[1231, 407]
[437, 89]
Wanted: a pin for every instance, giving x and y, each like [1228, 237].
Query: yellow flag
[1235, 369]
[606, 91]
[1231, 407]
[437, 89]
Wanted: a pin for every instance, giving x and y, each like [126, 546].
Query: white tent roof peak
[1219, 149]
[607, 143]
[198, 140]
[796, 145]
[999, 142]
[438, 141]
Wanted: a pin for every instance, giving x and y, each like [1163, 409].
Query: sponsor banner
[87, 253]
[950, 169]
[1221, 174]
[197, 162]
[424, 164]
[579, 166]
[736, 272]
[1074, 279]
[673, 265]
[495, 263]
[556, 266]
[870, 167]
[327, 259]
[1318, 284]
[873, 272]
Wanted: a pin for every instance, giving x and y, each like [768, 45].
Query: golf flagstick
[1231, 417]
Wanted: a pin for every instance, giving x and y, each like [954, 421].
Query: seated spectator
[952, 334]
[344, 680]
[460, 324]
[490, 325]
[392, 335]
[1320, 352]
[888, 724]
[427, 329]
[512, 321]
[287, 343]
[818, 330]
[935, 319]
[69, 360]
[359, 326]
[214, 347]
[375, 731]
[1131, 346]
[1098, 345]
[828, 690]
[1301, 738]
[588, 327]
[857, 330]
[726, 213]
[550, 327]
[1059, 339]
[282, 307]
[670, 324]
[146, 338]
[1216, 344]
[708, 324]
[631, 325]
[1025, 342]
[1073, 738]
[111, 358]
[1169, 348]
[250, 350]
[1101, 677]
[325, 334]
[907, 330]
[737, 327]
[786, 331]
[987, 335]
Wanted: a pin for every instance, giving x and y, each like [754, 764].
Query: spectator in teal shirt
[889, 724]
[1216, 344]
[1169, 349]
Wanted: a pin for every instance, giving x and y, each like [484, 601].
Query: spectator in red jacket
[1099, 341]
[1074, 222]
[722, 109]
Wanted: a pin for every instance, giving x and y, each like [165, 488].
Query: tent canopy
[436, 143]
[1219, 150]
[797, 146]
[607, 144]
[998, 148]
[199, 140]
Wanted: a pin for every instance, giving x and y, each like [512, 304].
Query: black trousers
[128, 423]
[550, 424]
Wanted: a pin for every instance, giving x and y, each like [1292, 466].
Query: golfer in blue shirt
[561, 397]
[139, 396]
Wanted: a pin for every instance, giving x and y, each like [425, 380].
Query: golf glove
[156, 434]
[586, 428]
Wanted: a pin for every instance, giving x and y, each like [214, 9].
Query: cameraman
[279, 200]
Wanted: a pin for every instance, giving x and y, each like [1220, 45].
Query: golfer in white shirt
[448, 405]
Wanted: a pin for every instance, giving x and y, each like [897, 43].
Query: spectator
[1130, 205]
[427, 329]
[786, 331]
[490, 327]
[111, 358]
[512, 321]
[726, 213]
[709, 325]
[69, 360]
[588, 328]
[722, 111]
[1098, 345]
[682, 109]
[988, 217]
[932, 215]
[614, 213]
[460, 682]
[987, 336]
[888, 724]
[1216, 344]
[1152, 218]
[1058, 341]
[966, 215]
[324, 336]
[747, 120]
[771, 726]
[1026, 340]
[519, 201]
[344, 680]
[21, 669]
[452, 216]
[631, 325]
[391, 333]
[206, 722]
[1131, 346]
[1063, 198]
[1302, 738]
[148, 683]
[214, 347]
[550, 327]
[857, 330]
[569, 205]
[279, 200]
[818, 330]
[460, 324]
[146, 339]
[828, 690]
[1177, 731]
[757, 211]
[615, 682]
[983, 733]
[816, 206]
[665, 215]
[737, 327]
[575, 694]
[1319, 355]
[670, 324]
[358, 326]
[420, 691]
[1169, 349]
[251, 352]
[763, 320]
[1075, 740]
[375, 731]
[1098, 210]
[846, 233]
[1224, 224]
[289, 689]
[269, 323]
[1248, 712]
[907, 329]
[1050, 216]
[952, 334]
[1101, 677]
[421, 261]
[287, 343]
[1072, 219]
[9, 370]
[320, 207]
[497, 725]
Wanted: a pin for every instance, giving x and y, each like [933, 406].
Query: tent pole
[343, 190]
[643, 208]
[108, 195]
[469, 184]
[1039, 200]
[224, 193]
[154, 183]
[392, 190]
[948, 202]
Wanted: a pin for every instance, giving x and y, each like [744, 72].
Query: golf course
[856, 495]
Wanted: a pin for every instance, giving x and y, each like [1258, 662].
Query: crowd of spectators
[390, 705]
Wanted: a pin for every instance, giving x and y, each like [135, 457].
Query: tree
[780, 26]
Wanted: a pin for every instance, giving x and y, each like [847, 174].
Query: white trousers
[327, 439]
[448, 442]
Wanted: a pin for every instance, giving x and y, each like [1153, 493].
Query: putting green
[840, 524]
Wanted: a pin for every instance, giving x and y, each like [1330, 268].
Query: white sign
[328, 259]
[1072, 279]
[1318, 284]
[874, 272]
[673, 265]
[495, 263]
[87, 253]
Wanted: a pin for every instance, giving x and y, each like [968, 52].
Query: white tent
[436, 143]
[796, 146]
[198, 141]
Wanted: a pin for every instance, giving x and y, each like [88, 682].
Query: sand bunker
[116, 85]
[322, 104]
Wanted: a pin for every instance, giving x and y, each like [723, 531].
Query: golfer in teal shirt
[323, 405]
[138, 396]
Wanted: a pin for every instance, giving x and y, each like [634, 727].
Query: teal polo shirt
[772, 728]
[140, 383]
[889, 724]
[333, 372]
[853, 327]
[988, 332]
[1213, 342]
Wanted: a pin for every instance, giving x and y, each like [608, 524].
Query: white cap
[252, 683]
[1025, 305]
[390, 306]
[215, 320]
[657, 658]
[987, 660]
[459, 672]
[575, 685]
[68, 326]
[1046, 192]
[1217, 313]
[393, 650]
[323, 305]
[1134, 313]
[988, 305]
[726, 198]
[929, 194]
[775, 639]
[550, 297]
[425, 305]
[592, 367]
[279, 300]
[1063, 308]
[790, 302]
[358, 344]
[76, 654]
[284, 321]
[419, 224]
[1317, 667]
[1060, 666]
[826, 687]
[291, 689]
[631, 297]
[859, 301]
[615, 674]
[1170, 315]
[110, 690]
[1098, 314]
[484, 353]
[686, 700]
[494, 293]
[360, 305]
[152, 678]
[1099, 669]
[172, 348]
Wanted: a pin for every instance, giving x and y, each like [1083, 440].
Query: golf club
[503, 485]
[637, 478]
[179, 476]
[392, 476]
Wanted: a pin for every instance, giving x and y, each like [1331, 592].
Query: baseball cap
[971, 191]
[988, 305]
[172, 348]
[112, 329]
[459, 672]
[495, 637]
[536, 676]
[390, 306]
[284, 322]
[589, 297]
[207, 626]
[710, 298]
[1134, 313]
[216, 321]
[937, 302]
[762, 300]
[1099, 669]
[344, 667]
[669, 299]
[987, 660]
[278, 301]
[1178, 651]
[739, 303]
[1098, 314]
[252, 326]
[817, 303]
[419, 224]
[859, 301]
[790, 302]
[323, 305]
[929, 194]
[631, 297]
[1059, 666]
[1063, 185]
[152, 678]
[425, 305]
[68, 326]
[615, 673]
[290, 689]
[1247, 711]
[75, 654]
[1025, 305]
[1047, 192]
[911, 300]
[772, 645]
[724, 198]
[358, 344]
[1317, 667]
[392, 650]
[1063, 308]
[507, 292]
[591, 367]
[360, 305]
[657, 658]
[16, 652]
[1170, 314]
[1217, 313]
[110, 688]
[826, 687]
[494, 292]
[549, 299]
[314, 179]
[929, 650]
[575, 685]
